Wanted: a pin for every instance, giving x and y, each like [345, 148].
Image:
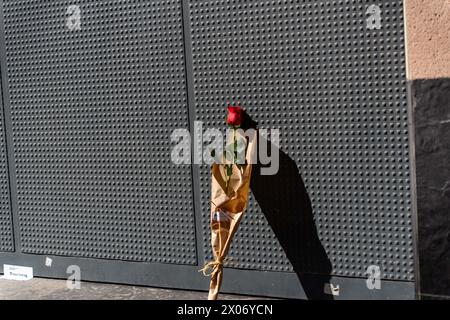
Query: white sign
[17, 272]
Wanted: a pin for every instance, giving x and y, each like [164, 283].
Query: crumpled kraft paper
[228, 205]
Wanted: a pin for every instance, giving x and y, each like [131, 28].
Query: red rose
[235, 116]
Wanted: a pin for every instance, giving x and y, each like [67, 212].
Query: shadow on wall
[431, 98]
[285, 202]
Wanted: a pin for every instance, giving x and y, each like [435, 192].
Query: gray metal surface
[90, 113]
[337, 91]
[250, 282]
[6, 226]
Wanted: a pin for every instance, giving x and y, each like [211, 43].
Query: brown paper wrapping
[227, 209]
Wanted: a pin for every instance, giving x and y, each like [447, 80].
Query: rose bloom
[235, 115]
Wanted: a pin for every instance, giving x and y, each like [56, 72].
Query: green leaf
[229, 171]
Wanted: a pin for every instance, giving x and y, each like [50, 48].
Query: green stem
[228, 180]
[229, 168]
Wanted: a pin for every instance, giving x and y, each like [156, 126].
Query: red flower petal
[235, 114]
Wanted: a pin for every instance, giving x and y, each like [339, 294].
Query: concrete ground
[49, 289]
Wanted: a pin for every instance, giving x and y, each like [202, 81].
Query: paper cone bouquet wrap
[230, 187]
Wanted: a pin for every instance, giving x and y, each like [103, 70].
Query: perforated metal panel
[337, 92]
[92, 114]
[6, 227]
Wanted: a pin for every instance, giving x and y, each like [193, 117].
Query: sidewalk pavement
[50, 289]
